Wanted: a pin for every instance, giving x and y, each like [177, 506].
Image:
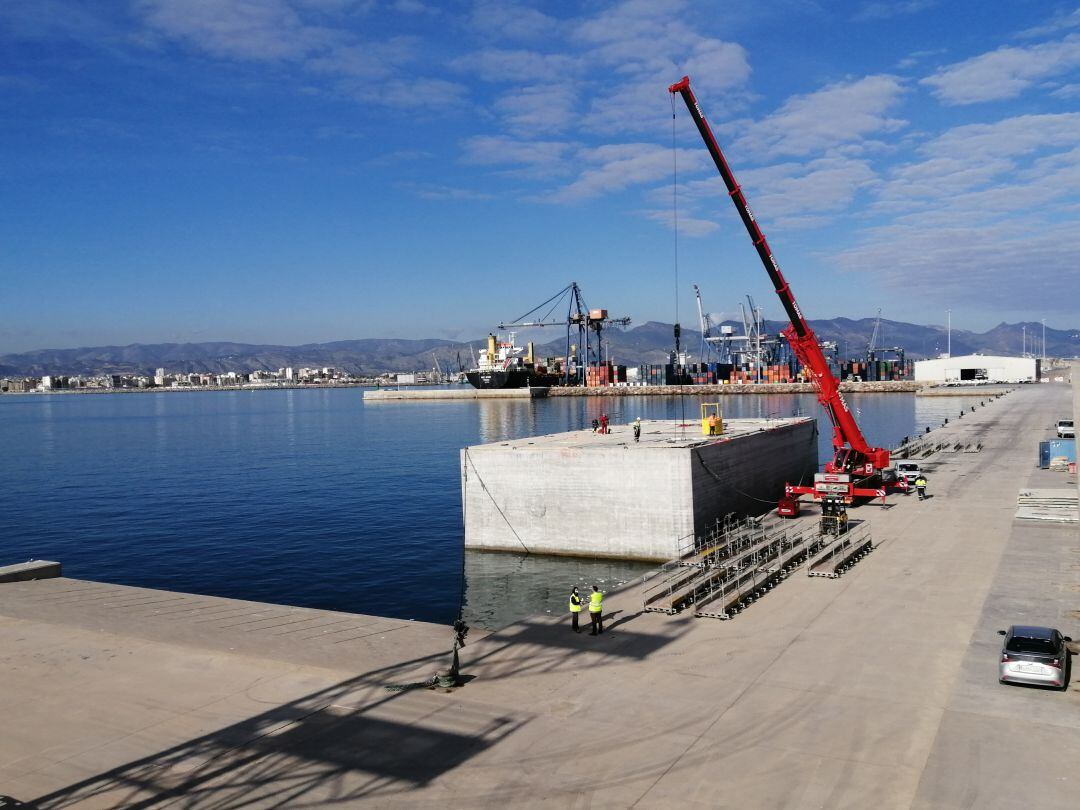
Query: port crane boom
[853, 454]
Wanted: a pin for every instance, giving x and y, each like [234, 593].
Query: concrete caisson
[595, 495]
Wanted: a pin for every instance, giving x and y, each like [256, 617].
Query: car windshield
[1039, 646]
[1066, 423]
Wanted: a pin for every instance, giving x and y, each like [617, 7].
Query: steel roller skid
[740, 560]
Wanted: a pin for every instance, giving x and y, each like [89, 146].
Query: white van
[1066, 429]
[908, 470]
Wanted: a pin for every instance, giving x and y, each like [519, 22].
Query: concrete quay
[457, 392]
[468, 392]
[878, 689]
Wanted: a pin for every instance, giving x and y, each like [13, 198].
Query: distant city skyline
[303, 171]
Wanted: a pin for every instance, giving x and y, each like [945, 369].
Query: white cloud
[840, 113]
[500, 65]
[364, 60]
[1004, 73]
[509, 20]
[413, 7]
[885, 11]
[1004, 264]
[791, 195]
[441, 192]
[615, 167]
[1062, 21]
[1071, 90]
[1011, 136]
[824, 186]
[688, 225]
[377, 71]
[989, 213]
[496, 150]
[255, 30]
[541, 109]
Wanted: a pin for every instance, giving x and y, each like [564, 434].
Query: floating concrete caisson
[588, 494]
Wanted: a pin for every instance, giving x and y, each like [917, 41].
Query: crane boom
[853, 453]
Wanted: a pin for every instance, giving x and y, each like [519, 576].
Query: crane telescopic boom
[853, 454]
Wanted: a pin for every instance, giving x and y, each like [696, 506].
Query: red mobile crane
[857, 469]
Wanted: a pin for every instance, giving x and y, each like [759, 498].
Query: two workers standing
[596, 610]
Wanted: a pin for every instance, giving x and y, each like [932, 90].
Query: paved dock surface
[878, 689]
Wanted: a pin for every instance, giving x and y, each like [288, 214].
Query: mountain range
[648, 343]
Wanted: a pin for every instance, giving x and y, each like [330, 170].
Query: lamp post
[948, 346]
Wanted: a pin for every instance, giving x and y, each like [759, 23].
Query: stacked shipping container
[744, 374]
[604, 374]
[877, 370]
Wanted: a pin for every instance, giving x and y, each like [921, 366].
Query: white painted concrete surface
[595, 495]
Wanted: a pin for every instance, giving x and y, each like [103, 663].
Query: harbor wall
[622, 500]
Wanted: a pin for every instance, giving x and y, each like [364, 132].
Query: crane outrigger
[856, 470]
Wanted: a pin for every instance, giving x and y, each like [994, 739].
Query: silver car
[1034, 655]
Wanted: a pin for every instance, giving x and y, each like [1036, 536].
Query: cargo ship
[503, 364]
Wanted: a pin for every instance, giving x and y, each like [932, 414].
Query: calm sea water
[312, 497]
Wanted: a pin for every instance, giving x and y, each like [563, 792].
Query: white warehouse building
[977, 367]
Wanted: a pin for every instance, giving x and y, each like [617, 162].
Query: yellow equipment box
[712, 419]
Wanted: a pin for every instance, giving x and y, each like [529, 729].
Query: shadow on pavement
[354, 740]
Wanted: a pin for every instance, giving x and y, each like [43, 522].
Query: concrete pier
[878, 689]
[453, 392]
[604, 495]
[34, 569]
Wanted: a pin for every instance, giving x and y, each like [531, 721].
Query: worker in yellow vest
[575, 609]
[596, 611]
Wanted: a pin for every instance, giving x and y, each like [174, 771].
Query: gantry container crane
[856, 469]
[578, 317]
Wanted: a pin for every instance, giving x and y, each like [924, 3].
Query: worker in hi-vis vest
[596, 611]
[575, 609]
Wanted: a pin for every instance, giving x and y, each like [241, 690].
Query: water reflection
[502, 588]
[502, 418]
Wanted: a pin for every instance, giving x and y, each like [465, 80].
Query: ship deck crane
[858, 465]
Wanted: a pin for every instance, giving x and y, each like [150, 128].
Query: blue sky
[292, 171]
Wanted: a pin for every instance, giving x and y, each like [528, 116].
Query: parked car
[1066, 429]
[1034, 655]
[909, 471]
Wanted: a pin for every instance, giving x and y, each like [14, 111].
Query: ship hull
[513, 378]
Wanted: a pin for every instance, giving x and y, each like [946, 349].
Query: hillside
[647, 343]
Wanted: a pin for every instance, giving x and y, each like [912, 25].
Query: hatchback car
[1034, 655]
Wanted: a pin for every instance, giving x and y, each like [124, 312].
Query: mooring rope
[483, 486]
